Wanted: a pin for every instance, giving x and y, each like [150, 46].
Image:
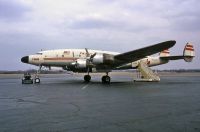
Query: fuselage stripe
[60, 59]
[165, 52]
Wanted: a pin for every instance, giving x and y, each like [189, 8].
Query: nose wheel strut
[37, 79]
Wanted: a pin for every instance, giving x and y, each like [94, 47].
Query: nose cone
[24, 59]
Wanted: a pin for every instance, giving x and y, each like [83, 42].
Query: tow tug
[27, 79]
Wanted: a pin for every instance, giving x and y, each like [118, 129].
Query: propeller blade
[92, 56]
[87, 53]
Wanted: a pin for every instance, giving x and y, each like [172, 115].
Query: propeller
[89, 57]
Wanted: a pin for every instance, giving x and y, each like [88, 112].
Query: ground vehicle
[27, 79]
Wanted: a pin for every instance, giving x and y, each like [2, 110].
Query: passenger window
[66, 52]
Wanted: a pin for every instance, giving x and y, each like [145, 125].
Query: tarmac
[65, 103]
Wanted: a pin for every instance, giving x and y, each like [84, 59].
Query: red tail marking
[190, 49]
[165, 51]
[191, 46]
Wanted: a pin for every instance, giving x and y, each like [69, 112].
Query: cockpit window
[39, 53]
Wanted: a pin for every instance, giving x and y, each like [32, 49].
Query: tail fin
[164, 53]
[188, 52]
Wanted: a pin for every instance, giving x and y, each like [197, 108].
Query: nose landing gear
[37, 79]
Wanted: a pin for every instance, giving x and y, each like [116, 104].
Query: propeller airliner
[89, 61]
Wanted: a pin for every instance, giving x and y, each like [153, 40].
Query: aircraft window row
[67, 52]
[39, 53]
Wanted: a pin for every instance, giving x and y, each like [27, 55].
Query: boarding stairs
[146, 74]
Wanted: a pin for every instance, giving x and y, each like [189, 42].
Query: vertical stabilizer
[188, 52]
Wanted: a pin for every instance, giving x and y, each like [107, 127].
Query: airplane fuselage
[66, 58]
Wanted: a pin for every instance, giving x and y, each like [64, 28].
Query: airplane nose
[24, 59]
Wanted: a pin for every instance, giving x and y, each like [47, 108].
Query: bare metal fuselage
[66, 58]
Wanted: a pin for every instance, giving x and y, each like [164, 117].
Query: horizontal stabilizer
[188, 54]
[172, 57]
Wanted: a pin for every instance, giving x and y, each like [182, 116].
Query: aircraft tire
[37, 80]
[87, 78]
[106, 79]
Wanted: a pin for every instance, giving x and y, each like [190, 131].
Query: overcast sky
[27, 26]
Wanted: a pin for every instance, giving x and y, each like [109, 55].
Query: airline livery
[87, 60]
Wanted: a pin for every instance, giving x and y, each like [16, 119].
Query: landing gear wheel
[106, 79]
[37, 80]
[87, 78]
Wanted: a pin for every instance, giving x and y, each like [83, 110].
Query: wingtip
[172, 42]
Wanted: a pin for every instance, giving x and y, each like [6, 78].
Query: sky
[27, 26]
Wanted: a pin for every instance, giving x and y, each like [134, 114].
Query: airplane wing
[138, 54]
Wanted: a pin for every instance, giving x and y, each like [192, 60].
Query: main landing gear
[87, 78]
[105, 79]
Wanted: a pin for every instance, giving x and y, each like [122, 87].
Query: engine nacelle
[108, 58]
[81, 63]
[98, 59]
[103, 59]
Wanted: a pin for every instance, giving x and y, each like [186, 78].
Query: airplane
[89, 61]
